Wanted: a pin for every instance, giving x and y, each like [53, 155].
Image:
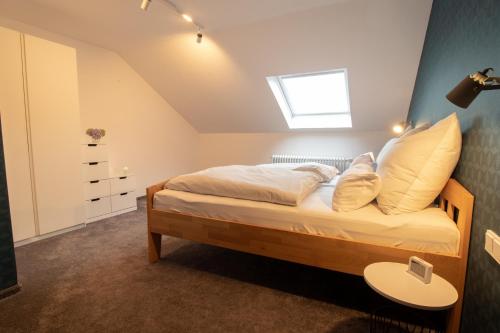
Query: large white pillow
[385, 149]
[417, 129]
[415, 168]
[356, 187]
[408, 132]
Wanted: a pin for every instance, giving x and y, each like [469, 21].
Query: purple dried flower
[96, 133]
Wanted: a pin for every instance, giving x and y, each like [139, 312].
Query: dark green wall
[8, 275]
[464, 36]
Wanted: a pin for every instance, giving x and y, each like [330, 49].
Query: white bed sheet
[428, 230]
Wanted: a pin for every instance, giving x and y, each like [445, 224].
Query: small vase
[96, 141]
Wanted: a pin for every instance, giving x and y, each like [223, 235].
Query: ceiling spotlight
[187, 17]
[145, 4]
[199, 36]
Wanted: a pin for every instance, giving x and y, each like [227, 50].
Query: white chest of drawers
[105, 195]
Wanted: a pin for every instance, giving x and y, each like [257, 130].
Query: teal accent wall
[463, 36]
[8, 274]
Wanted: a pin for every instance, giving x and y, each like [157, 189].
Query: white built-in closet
[40, 116]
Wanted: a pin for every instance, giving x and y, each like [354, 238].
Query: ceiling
[219, 85]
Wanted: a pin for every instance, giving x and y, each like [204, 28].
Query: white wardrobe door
[15, 139]
[55, 131]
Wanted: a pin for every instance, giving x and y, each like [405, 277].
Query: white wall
[143, 131]
[253, 148]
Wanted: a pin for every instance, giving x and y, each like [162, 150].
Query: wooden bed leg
[154, 239]
[154, 246]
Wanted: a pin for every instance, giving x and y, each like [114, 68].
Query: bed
[301, 234]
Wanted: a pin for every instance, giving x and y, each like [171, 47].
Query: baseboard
[51, 234]
[76, 227]
[10, 291]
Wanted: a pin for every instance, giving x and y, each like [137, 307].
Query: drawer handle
[94, 200]
[125, 193]
[94, 181]
[92, 144]
[123, 177]
[93, 163]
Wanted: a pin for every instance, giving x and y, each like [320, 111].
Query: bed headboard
[458, 203]
[340, 163]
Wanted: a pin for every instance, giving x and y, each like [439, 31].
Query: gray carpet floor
[98, 279]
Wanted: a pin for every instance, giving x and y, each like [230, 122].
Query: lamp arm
[491, 83]
[486, 70]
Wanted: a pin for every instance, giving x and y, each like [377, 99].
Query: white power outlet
[492, 244]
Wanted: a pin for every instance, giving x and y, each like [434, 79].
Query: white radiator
[340, 163]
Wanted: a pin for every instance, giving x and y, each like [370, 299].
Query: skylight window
[315, 100]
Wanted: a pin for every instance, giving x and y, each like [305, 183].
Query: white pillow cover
[356, 187]
[416, 130]
[385, 149]
[408, 132]
[326, 172]
[414, 169]
[366, 158]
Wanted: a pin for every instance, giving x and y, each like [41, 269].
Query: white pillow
[416, 130]
[358, 186]
[388, 145]
[366, 158]
[385, 149]
[415, 168]
[326, 172]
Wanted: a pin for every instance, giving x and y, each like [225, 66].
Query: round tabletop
[392, 281]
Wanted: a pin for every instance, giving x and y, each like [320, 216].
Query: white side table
[392, 281]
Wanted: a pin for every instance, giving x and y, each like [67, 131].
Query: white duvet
[286, 185]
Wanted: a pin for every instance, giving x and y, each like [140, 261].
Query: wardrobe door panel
[55, 128]
[15, 136]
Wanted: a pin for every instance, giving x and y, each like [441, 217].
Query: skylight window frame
[333, 120]
[286, 96]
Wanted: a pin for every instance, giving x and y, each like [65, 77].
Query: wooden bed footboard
[325, 252]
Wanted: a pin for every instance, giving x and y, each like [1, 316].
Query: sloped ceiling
[219, 85]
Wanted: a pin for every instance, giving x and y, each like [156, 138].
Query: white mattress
[429, 230]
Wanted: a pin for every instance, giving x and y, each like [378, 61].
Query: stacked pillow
[411, 170]
[408, 132]
[357, 186]
[417, 129]
[415, 167]
[366, 158]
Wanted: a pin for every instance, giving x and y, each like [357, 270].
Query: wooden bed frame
[325, 252]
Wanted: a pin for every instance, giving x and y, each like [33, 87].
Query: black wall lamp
[467, 90]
